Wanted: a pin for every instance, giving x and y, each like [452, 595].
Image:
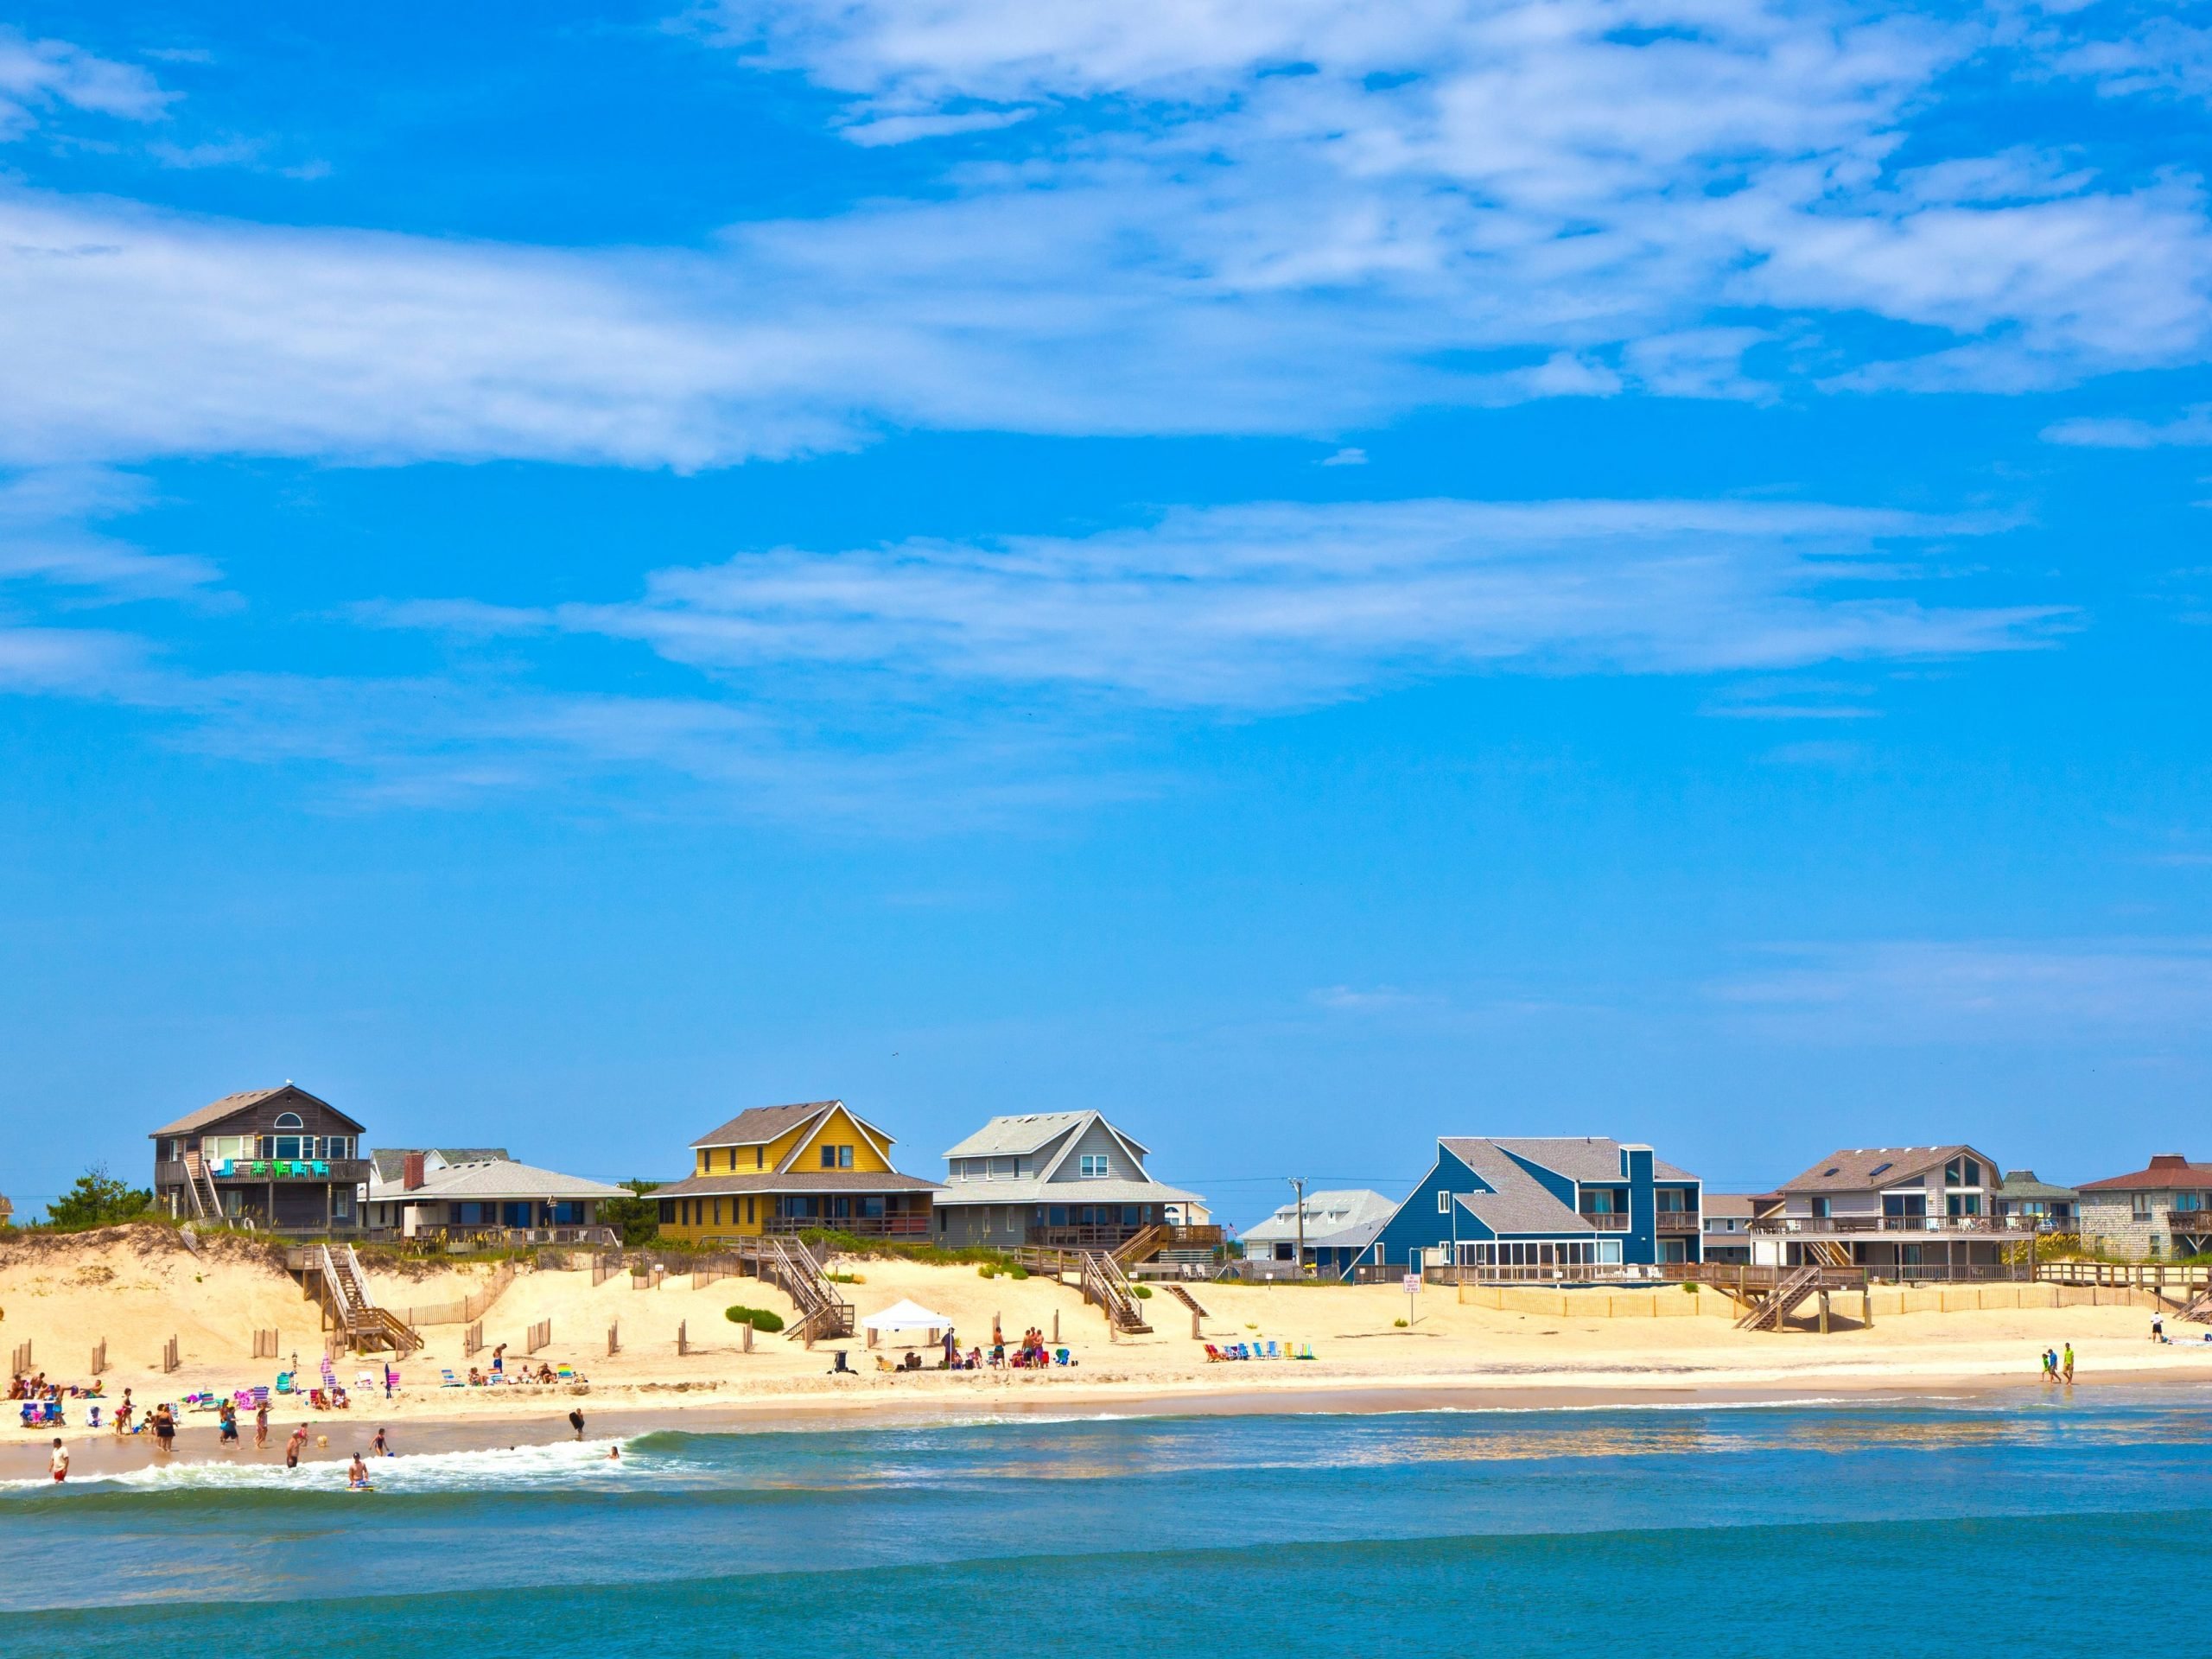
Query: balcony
[1607, 1221]
[242, 1171]
[1680, 1220]
[902, 1226]
[2189, 1221]
[1825, 1226]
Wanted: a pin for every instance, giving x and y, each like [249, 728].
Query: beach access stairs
[334, 1278]
[785, 1261]
[1789, 1289]
[1100, 1277]
[1184, 1297]
[2198, 1309]
[200, 1186]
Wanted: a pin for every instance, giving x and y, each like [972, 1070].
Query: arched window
[288, 1120]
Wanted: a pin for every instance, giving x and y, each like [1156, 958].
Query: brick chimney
[410, 1170]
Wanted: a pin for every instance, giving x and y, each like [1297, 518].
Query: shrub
[759, 1318]
[96, 1200]
[845, 1278]
[1690, 1285]
[1017, 1271]
[1400, 1324]
[988, 1270]
[1141, 1291]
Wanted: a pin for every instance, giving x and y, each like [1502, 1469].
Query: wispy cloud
[1280, 605]
[39, 75]
[2191, 429]
[1917, 990]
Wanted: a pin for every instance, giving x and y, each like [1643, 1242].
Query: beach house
[789, 1169]
[1544, 1207]
[1337, 1227]
[279, 1159]
[2026, 1201]
[1070, 1180]
[1901, 1212]
[2156, 1213]
[1727, 1227]
[480, 1192]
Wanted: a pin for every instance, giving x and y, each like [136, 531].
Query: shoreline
[96, 1453]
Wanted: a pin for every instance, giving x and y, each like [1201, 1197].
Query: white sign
[1413, 1283]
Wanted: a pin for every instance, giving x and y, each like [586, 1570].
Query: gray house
[1337, 1227]
[2161, 1211]
[1069, 1179]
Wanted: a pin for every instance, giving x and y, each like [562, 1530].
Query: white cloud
[1921, 990]
[1282, 605]
[2191, 429]
[36, 75]
[45, 532]
[1346, 458]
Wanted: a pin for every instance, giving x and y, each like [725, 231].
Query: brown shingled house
[279, 1159]
[1902, 1212]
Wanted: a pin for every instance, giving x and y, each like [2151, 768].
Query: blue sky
[1307, 575]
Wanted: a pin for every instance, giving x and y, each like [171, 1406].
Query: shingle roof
[2022, 1184]
[1861, 1168]
[1722, 1207]
[390, 1161]
[758, 1125]
[1520, 1203]
[500, 1177]
[1346, 1219]
[216, 1110]
[1014, 1135]
[2168, 1169]
[824, 1181]
[1583, 1157]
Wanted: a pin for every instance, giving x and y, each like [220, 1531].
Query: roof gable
[246, 1100]
[1013, 1134]
[832, 1109]
[1856, 1169]
[758, 1125]
[2168, 1169]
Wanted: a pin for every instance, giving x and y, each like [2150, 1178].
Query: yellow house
[786, 1169]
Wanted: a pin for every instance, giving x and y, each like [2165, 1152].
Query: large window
[836, 1157]
[1091, 1166]
[1962, 1171]
[1905, 1206]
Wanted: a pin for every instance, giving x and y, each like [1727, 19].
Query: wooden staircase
[1104, 1283]
[200, 1182]
[1829, 1252]
[1790, 1291]
[352, 1310]
[1143, 1245]
[2198, 1309]
[786, 1262]
[1184, 1297]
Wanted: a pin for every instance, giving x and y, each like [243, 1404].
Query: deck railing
[898, 1226]
[2008, 1226]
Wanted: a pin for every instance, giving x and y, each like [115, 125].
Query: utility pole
[1298, 1185]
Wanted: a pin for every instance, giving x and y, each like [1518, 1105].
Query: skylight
[1830, 1170]
[1878, 1168]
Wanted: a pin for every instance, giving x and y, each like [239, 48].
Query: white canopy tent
[907, 1319]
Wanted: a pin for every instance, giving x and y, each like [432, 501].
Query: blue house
[1543, 1205]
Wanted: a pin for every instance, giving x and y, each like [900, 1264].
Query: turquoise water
[1931, 1528]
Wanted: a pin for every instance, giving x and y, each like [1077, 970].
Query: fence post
[683, 1344]
[745, 1334]
[100, 1357]
[614, 1338]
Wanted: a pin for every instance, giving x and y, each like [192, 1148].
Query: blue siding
[1416, 1224]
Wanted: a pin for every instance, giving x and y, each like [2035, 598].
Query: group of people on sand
[2058, 1367]
[36, 1386]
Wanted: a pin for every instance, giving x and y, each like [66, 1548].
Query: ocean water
[1899, 1528]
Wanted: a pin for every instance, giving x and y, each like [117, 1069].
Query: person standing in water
[164, 1429]
[576, 1421]
[260, 1426]
[294, 1447]
[59, 1463]
[2069, 1363]
[380, 1445]
[356, 1474]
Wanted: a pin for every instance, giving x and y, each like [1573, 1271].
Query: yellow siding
[838, 1129]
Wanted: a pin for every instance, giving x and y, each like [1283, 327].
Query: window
[1091, 1166]
[1905, 1206]
[1879, 1169]
[2139, 1202]
[1821, 1208]
[844, 1157]
[1962, 1171]
[1962, 1203]
[1443, 1203]
[288, 1145]
[289, 1121]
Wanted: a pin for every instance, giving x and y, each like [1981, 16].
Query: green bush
[759, 1318]
[988, 1270]
[1690, 1285]
[845, 1278]
[1017, 1271]
[96, 1200]
[1141, 1291]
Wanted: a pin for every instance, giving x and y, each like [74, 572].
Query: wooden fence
[100, 1357]
[614, 1337]
[265, 1343]
[604, 1267]
[171, 1360]
[472, 1340]
[683, 1339]
[470, 1309]
[20, 1362]
[541, 1336]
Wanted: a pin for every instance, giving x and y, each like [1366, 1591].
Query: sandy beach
[135, 1288]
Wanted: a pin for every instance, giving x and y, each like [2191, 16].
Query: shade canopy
[907, 1316]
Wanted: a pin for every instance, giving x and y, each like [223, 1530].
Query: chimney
[410, 1170]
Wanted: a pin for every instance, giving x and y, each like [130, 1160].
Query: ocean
[1928, 1527]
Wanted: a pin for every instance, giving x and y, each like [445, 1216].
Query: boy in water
[59, 1463]
[577, 1421]
[356, 1474]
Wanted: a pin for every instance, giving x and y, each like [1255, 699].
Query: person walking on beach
[294, 1447]
[576, 1421]
[260, 1426]
[2068, 1362]
[226, 1422]
[389, 1378]
[2051, 1364]
[500, 1360]
[122, 1414]
[59, 1463]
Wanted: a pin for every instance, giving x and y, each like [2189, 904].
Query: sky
[1307, 575]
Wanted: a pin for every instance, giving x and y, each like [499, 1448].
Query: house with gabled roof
[1070, 1180]
[791, 1169]
[1899, 1211]
[479, 1191]
[1544, 1207]
[280, 1159]
[1334, 1226]
[2160, 1211]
